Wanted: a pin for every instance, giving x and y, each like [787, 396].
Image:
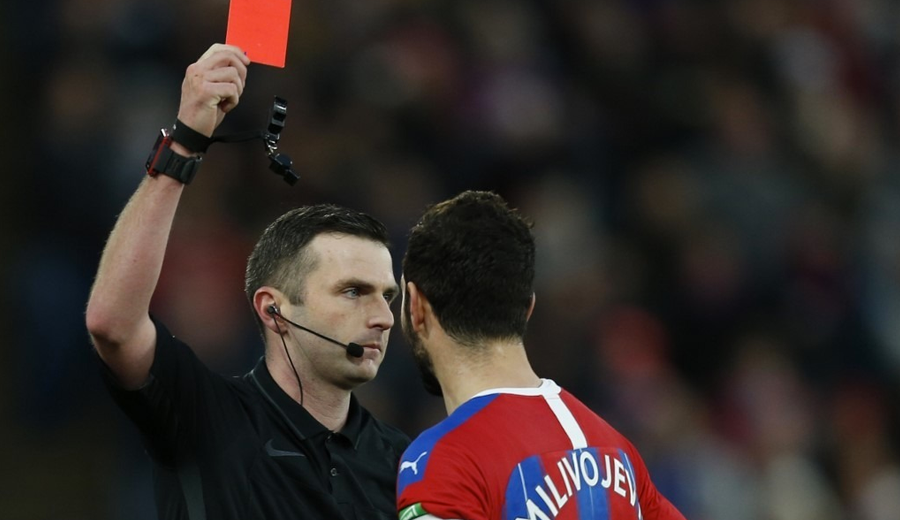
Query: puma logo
[414, 464]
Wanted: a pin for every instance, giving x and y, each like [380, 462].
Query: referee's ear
[267, 302]
[531, 307]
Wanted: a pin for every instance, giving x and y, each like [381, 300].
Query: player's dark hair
[473, 257]
[281, 259]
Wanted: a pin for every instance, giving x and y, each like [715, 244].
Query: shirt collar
[306, 424]
[547, 387]
[353, 427]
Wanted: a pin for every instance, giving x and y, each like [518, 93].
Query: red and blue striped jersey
[526, 454]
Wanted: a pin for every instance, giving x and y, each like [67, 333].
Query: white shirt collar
[548, 388]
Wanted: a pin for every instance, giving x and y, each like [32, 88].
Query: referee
[288, 440]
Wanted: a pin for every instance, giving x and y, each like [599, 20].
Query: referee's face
[347, 297]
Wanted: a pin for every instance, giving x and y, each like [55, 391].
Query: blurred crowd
[713, 184]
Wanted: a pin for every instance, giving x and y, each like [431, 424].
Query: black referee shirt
[240, 448]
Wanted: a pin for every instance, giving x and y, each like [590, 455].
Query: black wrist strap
[279, 163]
[190, 138]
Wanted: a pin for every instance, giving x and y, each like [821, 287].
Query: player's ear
[418, 307]
[531, 307]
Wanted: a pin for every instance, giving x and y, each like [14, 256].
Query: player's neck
[327, 403]
[495, 365]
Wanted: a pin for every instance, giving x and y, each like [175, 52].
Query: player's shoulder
[446, 431]
[452, 436]
[599, 431]
[582, 412]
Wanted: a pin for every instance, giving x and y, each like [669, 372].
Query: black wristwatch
[165, 161]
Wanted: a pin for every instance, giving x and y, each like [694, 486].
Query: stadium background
[714, 187]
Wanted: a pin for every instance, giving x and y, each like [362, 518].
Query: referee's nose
[381, 316]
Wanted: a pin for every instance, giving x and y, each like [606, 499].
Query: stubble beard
[422, 357]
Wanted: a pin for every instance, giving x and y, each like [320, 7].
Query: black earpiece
[273, 310]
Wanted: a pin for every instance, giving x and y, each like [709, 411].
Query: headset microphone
[353, 349]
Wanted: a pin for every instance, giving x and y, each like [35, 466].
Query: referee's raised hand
[212, 87]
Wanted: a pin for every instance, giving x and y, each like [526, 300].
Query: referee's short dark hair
[280, 258]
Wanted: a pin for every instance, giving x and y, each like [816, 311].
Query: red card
[260, 27]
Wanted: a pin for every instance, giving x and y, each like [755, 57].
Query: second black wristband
[190, 138]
